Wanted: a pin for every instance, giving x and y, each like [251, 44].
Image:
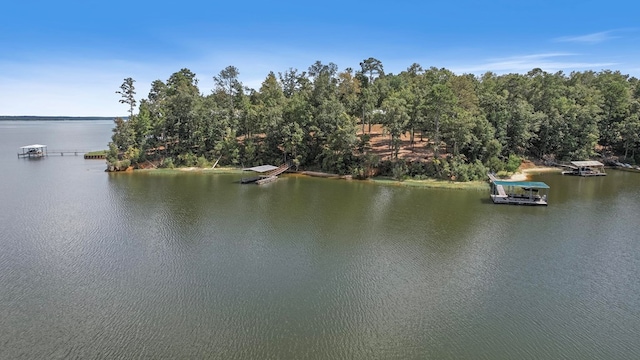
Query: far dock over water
[38, 151]
[585, 168]
[518, 192]
[33, 151]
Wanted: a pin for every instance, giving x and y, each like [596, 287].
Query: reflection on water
[194, 265]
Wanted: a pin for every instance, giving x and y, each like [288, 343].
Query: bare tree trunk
[411, 138]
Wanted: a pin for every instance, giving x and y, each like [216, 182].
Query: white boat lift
[33, 151]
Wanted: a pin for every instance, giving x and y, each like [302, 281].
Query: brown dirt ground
[380, 141]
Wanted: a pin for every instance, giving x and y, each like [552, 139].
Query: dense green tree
[373, 68]
[616, 96]
[124, 136]
[181, 120]
[491, 121]
[349, 90]
[440, 108]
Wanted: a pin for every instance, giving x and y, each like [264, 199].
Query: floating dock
[518, 192]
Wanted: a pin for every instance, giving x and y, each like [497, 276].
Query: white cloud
[594, 38]
[550, 62]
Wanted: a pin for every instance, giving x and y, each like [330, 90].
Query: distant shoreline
[57, 118]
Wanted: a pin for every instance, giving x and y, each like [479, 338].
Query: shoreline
[522, 175]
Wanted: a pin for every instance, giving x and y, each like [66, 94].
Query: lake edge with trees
[463, 126]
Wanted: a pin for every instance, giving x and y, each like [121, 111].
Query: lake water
[175, 265]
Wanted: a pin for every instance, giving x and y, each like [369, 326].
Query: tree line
[321, 119]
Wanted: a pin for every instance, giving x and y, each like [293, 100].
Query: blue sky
[69, 58]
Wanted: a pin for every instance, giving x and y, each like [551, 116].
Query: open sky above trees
[69, 57]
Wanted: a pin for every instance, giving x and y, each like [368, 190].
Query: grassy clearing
[98, 152]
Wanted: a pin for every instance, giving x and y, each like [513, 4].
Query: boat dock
[585, 168]
[38, 150]
[33, 151]
[518, 192]
[266, 173]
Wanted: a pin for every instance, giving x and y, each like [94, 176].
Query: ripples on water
[176, 265]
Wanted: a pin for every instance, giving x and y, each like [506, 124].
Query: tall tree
[349, 88]
[127, 91]
[439, 102]
[371, 68]
[226, 82]
[183, 96]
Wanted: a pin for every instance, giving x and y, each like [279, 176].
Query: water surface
[171, 265]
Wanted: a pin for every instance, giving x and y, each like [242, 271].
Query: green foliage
[399, 170]
[312, 118]
[513, 163]
[202, 162]
[112, 153]
[187, 159]
[167, 163]
[132, 154]
[123, 164]
[494, 164]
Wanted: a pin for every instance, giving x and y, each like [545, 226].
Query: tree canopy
[316, 118]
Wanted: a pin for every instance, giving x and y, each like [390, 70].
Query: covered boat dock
[265, 173]
[585, 168]
[33, 151]
[519, 192]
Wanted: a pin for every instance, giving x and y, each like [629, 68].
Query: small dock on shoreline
[266, 173]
